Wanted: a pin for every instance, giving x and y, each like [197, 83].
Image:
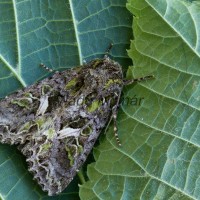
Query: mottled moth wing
[56, 122]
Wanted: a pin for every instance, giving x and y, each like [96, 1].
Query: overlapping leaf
[160, 156]
[61, 34]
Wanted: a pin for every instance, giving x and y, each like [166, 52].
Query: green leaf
[61, 34]
[160, 153]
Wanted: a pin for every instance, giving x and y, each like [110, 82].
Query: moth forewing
[56, 121]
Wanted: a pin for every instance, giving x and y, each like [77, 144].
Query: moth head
[114, 75]
[103, 82]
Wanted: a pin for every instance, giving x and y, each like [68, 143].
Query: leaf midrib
[76, 33]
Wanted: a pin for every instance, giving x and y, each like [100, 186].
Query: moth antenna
[114, 118]
[108, 50]
[45, 67]
[115, 128]
[128, 82]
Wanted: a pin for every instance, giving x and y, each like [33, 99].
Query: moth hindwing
[56, 121]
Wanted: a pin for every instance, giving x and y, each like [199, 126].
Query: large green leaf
[61, 34]
[160, 153]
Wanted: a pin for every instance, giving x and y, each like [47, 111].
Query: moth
[56, 121]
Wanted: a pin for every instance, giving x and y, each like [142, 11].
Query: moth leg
[128, 82]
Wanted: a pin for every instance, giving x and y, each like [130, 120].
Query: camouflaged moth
[55, 122]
